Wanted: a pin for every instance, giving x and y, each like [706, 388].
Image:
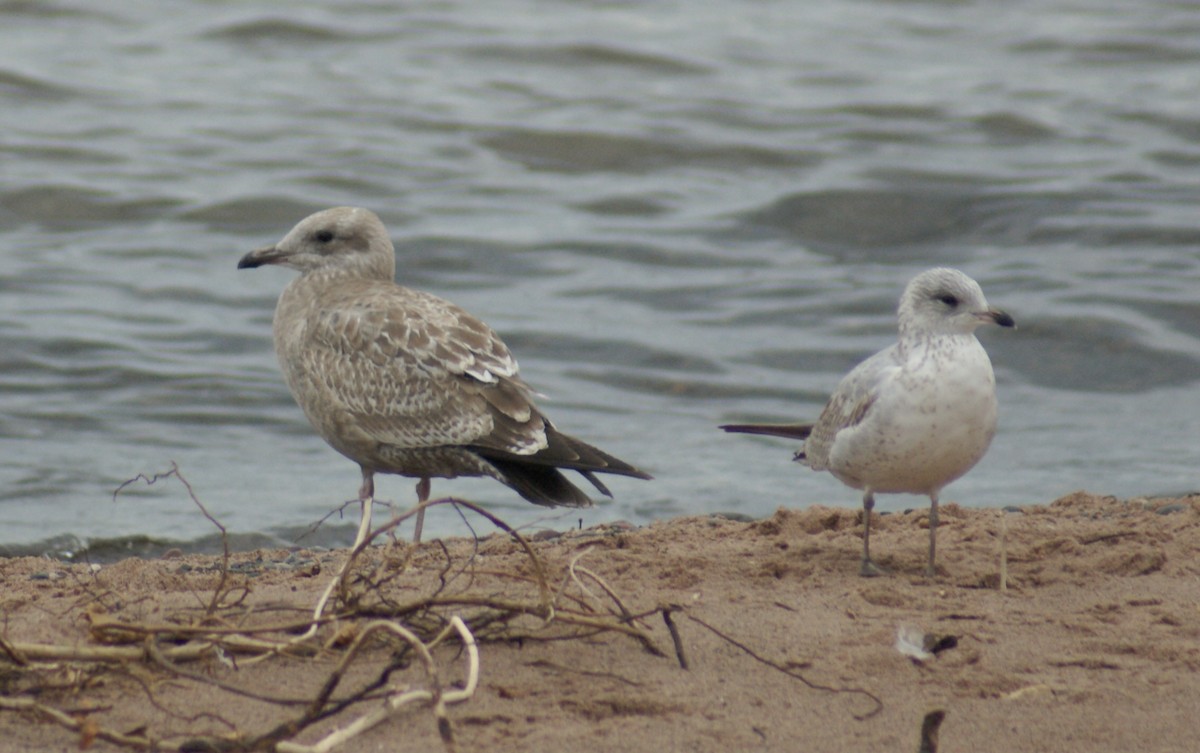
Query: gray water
[676, 213]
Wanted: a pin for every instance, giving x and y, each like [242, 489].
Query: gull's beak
[994, 316]
[261, 256]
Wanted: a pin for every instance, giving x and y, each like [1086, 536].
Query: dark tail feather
[791, 431]
[565, 451]
[589, 459]
[600, 487]
[537, 478]
[540, 484]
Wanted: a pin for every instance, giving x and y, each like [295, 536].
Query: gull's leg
[366, 497]
[869, 568]
[933, 524]
[422, 496]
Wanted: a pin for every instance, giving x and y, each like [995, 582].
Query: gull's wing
[409, 369]
[850, 404]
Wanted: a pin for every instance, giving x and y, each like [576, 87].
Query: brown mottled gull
[915, 416]
[404, 382]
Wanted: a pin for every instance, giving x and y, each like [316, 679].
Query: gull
[915, 416]
[401, 381]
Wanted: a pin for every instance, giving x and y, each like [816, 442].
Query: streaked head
[347, 240]
[946, 301]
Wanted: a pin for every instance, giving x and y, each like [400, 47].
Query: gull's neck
[915, 339]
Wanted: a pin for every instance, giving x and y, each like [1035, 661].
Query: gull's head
[343, 240]
[946, 301]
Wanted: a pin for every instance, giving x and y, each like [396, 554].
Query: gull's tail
[788, 431]
[537, 477]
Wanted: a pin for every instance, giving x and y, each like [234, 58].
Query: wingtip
[788, 431]
[600, 487]
[737, 428]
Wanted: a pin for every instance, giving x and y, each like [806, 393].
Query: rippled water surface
[677, 214]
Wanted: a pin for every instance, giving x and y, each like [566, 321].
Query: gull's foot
[870, 570]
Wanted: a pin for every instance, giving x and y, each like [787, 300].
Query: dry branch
[217, 645]
[878, 704]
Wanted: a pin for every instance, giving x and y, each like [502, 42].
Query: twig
[48, 652]
[674, 631]
[84, 725]
[539, 569]
[145, 684]
[156, 655]
[339, 510]
[436, 696]
[929, 731]
[561, 616]
[546, 664]
[366, 537]
[573, 613]
[360, 542]
[219, 591]
[15, 655]
[790, 673]
[575, 569]
[1107, 537]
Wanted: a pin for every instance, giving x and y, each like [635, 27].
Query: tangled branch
[412, 601]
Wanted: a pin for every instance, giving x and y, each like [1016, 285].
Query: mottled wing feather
[417, 371]
[850, 404]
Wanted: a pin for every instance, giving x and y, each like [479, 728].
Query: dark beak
[259, 257]
[999, 317]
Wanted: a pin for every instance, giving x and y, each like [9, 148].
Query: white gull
[916, 415]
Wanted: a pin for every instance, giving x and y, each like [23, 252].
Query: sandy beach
[1068, 626]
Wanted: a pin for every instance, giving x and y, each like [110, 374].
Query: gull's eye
[323, 236]
[948, 299]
